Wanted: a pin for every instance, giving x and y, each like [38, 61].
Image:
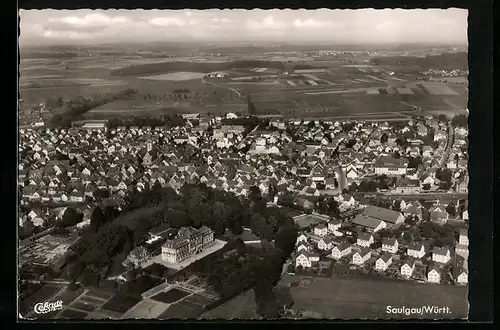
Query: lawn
[348, 298]
[182, 310]
[87, 307]
[120, 304]
[72, 314]
[170, 296]
[240, 307]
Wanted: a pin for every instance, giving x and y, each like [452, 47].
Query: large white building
[186, 243]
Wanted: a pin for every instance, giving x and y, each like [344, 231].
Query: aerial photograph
[243, 164]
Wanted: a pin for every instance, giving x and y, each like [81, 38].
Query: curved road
[203, 81]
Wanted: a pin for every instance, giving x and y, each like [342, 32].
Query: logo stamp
[47, 307]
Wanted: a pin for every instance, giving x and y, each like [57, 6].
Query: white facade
[380, 264]
[321, 231]
[338, 254]
[443, 259]
[301, 238]
[365, 243]
[391, 248]
[302, 260]
[463, 240]
[463, 278]
[416, 253]
[359, 260]
[434, 277]
[390, 170]
[407, 270]
[322, 245]
[333, 227]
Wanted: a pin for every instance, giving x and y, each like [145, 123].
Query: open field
[146, 309]
[170, 296]
[348, 298]
[176, 76]
[326, 88]
[120, 304]
[241, 307]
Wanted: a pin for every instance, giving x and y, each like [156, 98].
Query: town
[368, 198]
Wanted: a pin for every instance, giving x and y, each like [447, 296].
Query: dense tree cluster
[460, 121]
[442, 61]
[113, 234]
[76, 107]
[147, 121]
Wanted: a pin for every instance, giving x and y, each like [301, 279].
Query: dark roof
[385, 257]
[364, 251]
[386, 215]
[410, 262]
[416, 246]
[365, 221]
[364, 236]
[441, 250]
[344, 245]
[389, 241]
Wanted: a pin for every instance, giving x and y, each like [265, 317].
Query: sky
[312, 26]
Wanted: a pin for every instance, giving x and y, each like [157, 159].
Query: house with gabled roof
[441, 255]
[364, 239]
[434, 274]
[306, 259]
[341, 250]
[390, 245]
[371, 224]
[325, 243]
[383, 262]
[360, 257]
[321, 230]
[416, 250]
[408, 267]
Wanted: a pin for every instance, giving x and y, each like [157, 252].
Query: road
[449, 144]
[203, 81]
[426, 196]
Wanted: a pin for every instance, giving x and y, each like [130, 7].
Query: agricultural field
[349, 298]
[176, 76]
[170, 296]
[240, 307]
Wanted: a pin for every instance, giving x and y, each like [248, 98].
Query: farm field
[176, 76]
[241, 307]
[349, 298]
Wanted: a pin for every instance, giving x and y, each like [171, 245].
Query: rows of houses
[328, 239]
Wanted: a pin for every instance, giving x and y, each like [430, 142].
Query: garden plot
[405, 91]
[438, 89]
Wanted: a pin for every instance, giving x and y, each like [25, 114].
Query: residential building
[390, 245]
[186, 243]
[416, 250]
[334, 225]
[434, 275]
[364, 239]
[360, 257]
[441, 255]
[341, 250]
[321, 230]
[408, 267]
[384, 261]
[306, 259]
[325, 243]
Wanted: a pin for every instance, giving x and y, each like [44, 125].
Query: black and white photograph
[232, 164]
